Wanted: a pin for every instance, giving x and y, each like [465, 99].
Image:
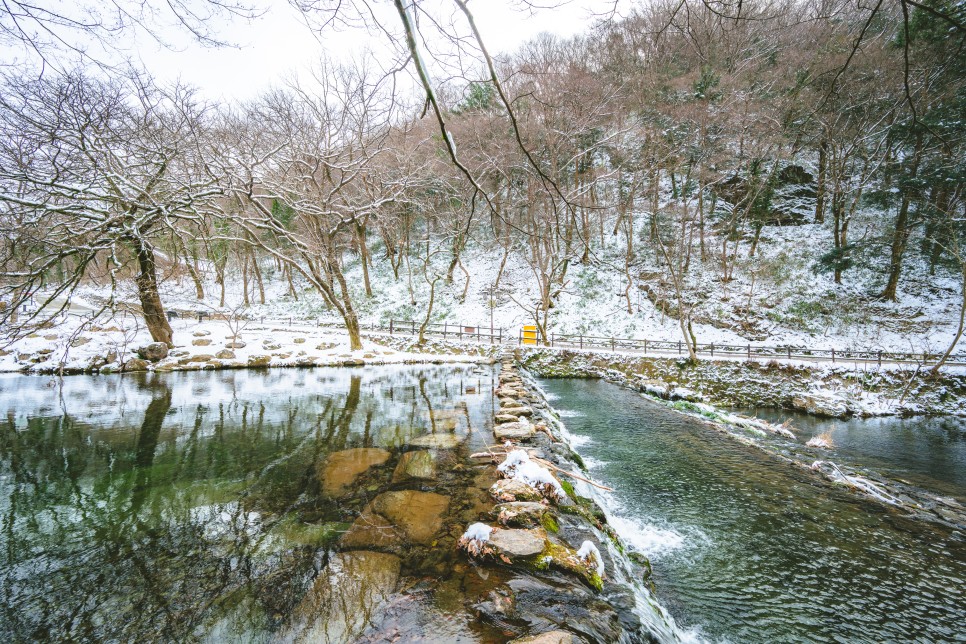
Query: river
[745, 548]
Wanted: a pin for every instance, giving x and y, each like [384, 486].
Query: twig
[570, 474]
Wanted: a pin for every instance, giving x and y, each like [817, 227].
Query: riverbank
[93, 349]
[832, 391]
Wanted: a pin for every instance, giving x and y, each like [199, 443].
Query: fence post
[645, 346]
[833, 356]
[679, 347]
[712, 349]
[290, 321]
[581, 340]
[551, 338]
[501, 335]
[414, 327]
[612, 344]
[460, 332]
[520, 338]
[749, 352]
[789, 353]
[390, 327]
[880, 358]
[925, 357]
[444, 330]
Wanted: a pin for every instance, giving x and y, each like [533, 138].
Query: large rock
[201, 342]
[345, 598]
[514, 542]
[136, 364]
[416, 465]
[516, 411]
[394, 518]
[256, 360]
[513, 490]
[514, 431]
[153, 352]
[520, 514]
[225, 354]
[341, 469]
[506, 418]
[822, 404]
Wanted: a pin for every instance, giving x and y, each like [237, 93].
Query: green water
[187, 507]
[747, 549]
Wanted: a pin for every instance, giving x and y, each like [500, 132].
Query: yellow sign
[529, 335]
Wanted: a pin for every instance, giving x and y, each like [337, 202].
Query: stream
[745, 548]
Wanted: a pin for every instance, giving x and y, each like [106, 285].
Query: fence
[498, 335]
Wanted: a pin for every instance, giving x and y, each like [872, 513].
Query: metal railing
[463, 331]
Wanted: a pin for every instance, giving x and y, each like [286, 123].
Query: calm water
[928, 452]
[747, 549]
[180, 507]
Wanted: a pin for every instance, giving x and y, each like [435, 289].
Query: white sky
[278, 43]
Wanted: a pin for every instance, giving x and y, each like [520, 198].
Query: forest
[657, 144]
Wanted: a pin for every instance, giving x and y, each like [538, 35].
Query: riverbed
[745, 548]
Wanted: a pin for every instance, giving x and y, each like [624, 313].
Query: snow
[588, 552]
[478, 532]
[519, 466]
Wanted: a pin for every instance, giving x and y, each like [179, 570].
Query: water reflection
[172, 507]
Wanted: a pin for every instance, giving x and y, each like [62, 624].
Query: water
[188, 506]
[747, 549]
[926, 452]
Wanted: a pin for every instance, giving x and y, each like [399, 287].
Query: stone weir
[473, 530]
[568, 578]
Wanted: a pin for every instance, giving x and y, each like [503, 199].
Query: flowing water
[204, 506]
[745, 548]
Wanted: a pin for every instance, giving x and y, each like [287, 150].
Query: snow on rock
[475, 538]
[589, 553]
[519, 467]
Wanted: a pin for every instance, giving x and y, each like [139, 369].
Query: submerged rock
[437, 441]
[550, 637]
[346, 598]
[394, 518]
[416, 465]
[341, 469]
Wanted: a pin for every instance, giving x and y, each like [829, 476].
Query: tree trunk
[258, 278]
[364, 256]
[820, 187]
[147, 283]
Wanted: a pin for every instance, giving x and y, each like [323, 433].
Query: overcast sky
[278, 43]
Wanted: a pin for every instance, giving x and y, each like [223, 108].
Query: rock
[153, 352]
[344, 599]
[516, 542]
[225, 354]
[284, 355]
[416, 465]
[520, 514]
[325, 346]
[79, 342]
[396, 517]
[510, 402]
[437, 441]
[201, 342]
[44, 352]
[201, 357]
[550, 637]
[202, 333]
[299, 340]
[506, 418]
[516, 411]
[507, 490]
[235, 344]
[341, 469]
[353, 362]
[822, 404]
[136, 364]
[514, 431]
[268, 345]
[261, 360]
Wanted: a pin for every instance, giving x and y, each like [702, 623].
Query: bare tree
[94, 175]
